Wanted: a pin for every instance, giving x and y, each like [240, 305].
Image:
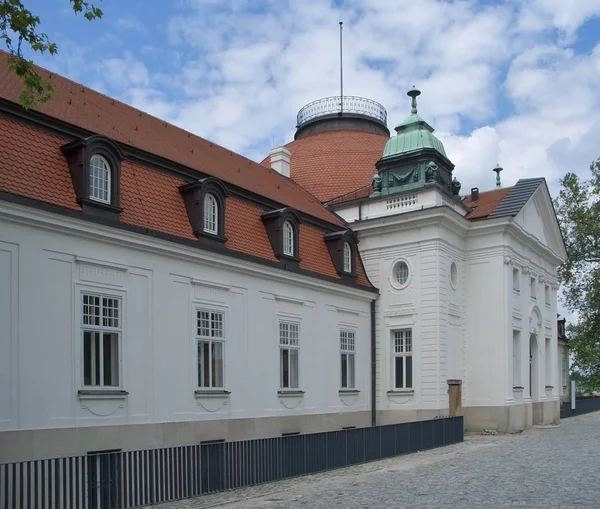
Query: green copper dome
[413, 134]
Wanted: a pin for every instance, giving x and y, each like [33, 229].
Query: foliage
[19, 27]
[578, 211]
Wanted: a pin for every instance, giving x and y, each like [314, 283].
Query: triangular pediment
[538, 218]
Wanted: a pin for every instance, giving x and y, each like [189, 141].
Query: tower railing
[350, 105]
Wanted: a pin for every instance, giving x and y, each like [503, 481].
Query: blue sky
[515, 82]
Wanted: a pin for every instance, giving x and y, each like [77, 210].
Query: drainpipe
[373, 368]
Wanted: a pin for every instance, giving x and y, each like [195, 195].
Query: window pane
[294, 329]
[203, 323]
[91, 310]
[110, 312]
[203, 364]
[210, 214]
[99, 179]
[399, 372]
[111, 359]
[344, 371]
[284, 333]
[91, 358]
[294, 369]
[217, 364]
[284, 368]
[217, 325]
[409, 372]
[351, 381]
[347, 258]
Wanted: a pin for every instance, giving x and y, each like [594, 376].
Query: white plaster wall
[43, 270]
[429, 305]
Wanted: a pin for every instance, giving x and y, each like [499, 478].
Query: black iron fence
[582, 406]
[123, 479]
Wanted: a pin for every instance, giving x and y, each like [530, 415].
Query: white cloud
[502, 83]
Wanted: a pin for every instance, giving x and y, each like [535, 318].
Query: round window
[401, 273]
[453, 275]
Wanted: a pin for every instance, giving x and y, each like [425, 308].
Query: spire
[414, 93]
[498, 169]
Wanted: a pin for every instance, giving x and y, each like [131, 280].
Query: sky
[512, 82]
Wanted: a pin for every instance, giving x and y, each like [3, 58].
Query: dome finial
[414, 93]
[498, 169]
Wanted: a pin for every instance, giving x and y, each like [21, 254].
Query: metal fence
[123, 479]
[582, 406]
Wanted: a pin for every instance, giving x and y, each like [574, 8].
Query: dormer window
[211, 217]
[343, 252]
[288, 239]
[99, 179]
[347, 258]
[205, 202]
[95, 165]
[283, 230]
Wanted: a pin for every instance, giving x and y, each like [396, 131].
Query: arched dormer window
[95, 165]
[211, 214]
[347, 258]
[283, 230]
[343, 251]
[288, 239]
[99, 178]
[205, 202]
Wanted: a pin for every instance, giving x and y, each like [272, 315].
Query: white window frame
[103, 326]
[397, 267]
[347, 257]
[533, 288]
[100, 185]
[402, 347]
[564, 369]
[288, 238]
[348, 358]
[289, 340]
[547, 295]
[516, 274]
[211, 214]
[212, 338]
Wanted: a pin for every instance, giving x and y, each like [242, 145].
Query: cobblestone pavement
[545, 467]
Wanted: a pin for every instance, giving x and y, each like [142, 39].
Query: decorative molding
[454, 310]
[403, 311]
[525, 269]
[210, 284]
[508, 260]
[289, 300]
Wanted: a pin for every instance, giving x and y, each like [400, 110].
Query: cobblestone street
[546, 467]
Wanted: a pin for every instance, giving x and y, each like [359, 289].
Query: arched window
[288, 239]
[347, 257]
[99, 179]
[211, 217]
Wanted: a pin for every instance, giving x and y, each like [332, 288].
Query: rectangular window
[348, 350]
[548, 362]
[533, 288]
[564, 372]
[289, 347]
[101, 331]
[210, 338]
[547, 292]
[402, 358]
[516, 358]
[516, 280]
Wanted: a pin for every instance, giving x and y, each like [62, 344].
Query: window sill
[549, 387]
[401, 392]
[344, 392]
[283, 393]
[518, 388]
[209, 393]
[102, 394]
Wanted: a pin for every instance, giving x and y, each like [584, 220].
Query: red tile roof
[488, 201]
[32, 165]
[334, 163]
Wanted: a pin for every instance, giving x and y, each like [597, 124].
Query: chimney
[474, 193]
[280, 161]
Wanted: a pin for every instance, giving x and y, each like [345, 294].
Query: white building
[467, 285]
[158, 290]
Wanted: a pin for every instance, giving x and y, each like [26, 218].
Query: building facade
[467, 283]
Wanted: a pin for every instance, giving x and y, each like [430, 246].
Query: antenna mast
[341, 74]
